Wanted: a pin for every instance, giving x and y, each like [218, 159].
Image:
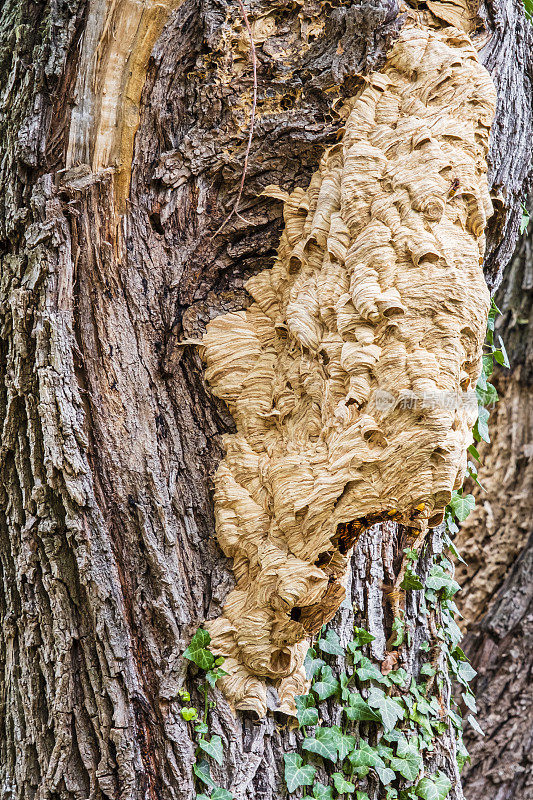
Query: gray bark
[497, 543]
[109, 436]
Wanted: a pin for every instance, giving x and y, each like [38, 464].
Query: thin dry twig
[234, 210]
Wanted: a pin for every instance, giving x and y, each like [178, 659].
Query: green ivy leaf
[404, 747]
[453, 630]
[398, 676]
[367, 671]
[188, 714]
[213, 747]
[355, 651]
[475, 724]
[524, 220]
[411, 581]
[363, 758]
[435, 706]
[398, 626]
[221, 794]
[465, 672]
[421, 720]
[427, 790]
[470, 701]
[197, 651]
[456, 552]
[455, 719]
[440, 581]
[501, 355]
[214, 674]
[202, 772]
[324, 743]
[451, 527]
[201, 728]
[434, 788]
[474, 453]
[306, 712]
[327, 685]
[443, 784]
[389, 708]
[462, 754]
[459, 654]
[427, 669]
[345, 744]
[481, 428]
[344, 680]
[487, 394]
[361, 636]
[330, 643]
[494, 311]
[385, 774]
[361, 796]
[462, 505]
[393, 736]
[423, 705]
[321, 792]
[384, 750]
[296, 772]
[487, 362]
[341, 784]
[201, 638]
[312, 665]
[482, 380]
[358, 710]
[407, 763]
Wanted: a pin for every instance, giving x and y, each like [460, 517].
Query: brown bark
[109, 436]
[497, 544]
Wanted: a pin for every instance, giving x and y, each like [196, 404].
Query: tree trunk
[497, 545]
[122, 142]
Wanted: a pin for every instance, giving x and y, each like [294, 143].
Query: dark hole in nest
[296, 613]
[346, 535]
[324, 559]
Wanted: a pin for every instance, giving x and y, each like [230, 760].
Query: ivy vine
[208, 746]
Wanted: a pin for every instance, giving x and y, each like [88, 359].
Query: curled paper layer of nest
[351, 376]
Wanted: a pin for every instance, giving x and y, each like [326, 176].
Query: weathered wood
[508, 56]
[109, 435]
[498, 547]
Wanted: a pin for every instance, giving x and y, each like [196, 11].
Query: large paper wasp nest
[347, 376]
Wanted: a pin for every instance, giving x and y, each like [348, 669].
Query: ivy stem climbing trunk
[123, 133]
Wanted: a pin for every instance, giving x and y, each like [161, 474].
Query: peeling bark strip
[351, 377]
[109, 436]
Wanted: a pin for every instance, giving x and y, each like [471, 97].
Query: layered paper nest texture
[343, 375]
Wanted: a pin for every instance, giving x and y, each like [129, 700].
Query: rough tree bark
[497, 544]
[110, 199]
